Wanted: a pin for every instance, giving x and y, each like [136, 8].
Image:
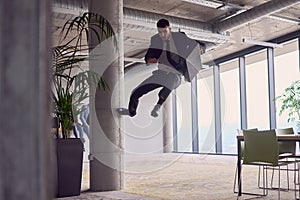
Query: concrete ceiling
[221, 24]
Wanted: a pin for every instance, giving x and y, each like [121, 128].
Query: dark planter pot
[69, 166]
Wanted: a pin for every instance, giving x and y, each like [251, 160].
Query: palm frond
[71, 83]
[90, 23]
[290, 100]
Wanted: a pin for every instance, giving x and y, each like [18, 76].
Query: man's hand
[151, 60]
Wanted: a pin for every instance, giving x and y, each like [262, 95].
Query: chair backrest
[284, 131]
[286, 147]
[260, 147]
[240, 132]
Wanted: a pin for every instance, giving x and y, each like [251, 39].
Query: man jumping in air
[169, 50]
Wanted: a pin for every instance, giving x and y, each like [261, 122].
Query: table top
[279, 137]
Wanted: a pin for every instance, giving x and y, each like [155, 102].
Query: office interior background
[236, 88]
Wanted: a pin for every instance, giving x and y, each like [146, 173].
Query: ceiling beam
[253, 14]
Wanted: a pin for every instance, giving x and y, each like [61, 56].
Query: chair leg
[265, 172]
[259, 175]
[298, 177]
[234, 181]
[279, 183]
[287, 176]
[264, 187]
[272, 177]
[279, 180]
[258, 179]
[297, 180]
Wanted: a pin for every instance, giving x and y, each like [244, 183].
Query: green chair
[287, 152]
[240, 132]
[286, 149]
[261, 149]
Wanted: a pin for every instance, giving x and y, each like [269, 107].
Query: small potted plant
[70, 89]
[291, 103]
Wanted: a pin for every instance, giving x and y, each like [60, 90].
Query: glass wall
[206, 121]
[184, 118]
[257, 90]
[286, 71]
[230, 105]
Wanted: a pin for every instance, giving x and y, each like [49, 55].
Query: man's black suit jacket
[183, 44]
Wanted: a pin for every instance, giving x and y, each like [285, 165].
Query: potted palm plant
[291, 102]
[70, 89]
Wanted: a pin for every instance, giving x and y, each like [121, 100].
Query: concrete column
[168, 126]
[106, 165]
[26, 166]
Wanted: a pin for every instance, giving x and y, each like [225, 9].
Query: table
[281, 138]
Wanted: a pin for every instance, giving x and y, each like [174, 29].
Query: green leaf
[290, 100]
[70, 83]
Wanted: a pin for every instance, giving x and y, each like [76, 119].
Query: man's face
[164, 33]
[202, 50]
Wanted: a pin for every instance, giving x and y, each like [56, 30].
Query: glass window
[230, 105]
[257, 90]
[206, 120]
[286, 71]
[184, 118]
